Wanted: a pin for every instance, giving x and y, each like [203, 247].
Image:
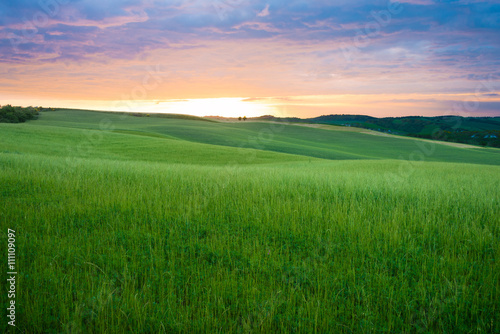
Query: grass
[283, 138]
[153, 228]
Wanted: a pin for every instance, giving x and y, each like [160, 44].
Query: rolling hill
[332, 143]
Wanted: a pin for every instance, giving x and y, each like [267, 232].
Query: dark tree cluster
[10, 114]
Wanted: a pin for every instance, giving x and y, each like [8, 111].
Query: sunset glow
[225, 107]
[238, 57]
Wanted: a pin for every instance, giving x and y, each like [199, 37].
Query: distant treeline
[10, 114]
[483, 131]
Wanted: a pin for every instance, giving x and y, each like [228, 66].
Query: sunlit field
[171, 225]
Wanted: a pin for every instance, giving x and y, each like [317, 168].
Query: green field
[480, 131]
[170, 225]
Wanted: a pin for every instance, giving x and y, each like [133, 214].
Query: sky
[238, 57]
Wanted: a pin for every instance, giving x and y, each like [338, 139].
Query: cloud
[255, 48]
[264, 12]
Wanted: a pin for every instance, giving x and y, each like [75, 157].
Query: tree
[244, 118]
[10, 114]
[239, 118]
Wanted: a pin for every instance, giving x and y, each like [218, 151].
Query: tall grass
[305, 246]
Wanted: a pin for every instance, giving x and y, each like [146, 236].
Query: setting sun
[225, 107]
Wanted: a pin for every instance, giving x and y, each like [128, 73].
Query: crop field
[172, 225]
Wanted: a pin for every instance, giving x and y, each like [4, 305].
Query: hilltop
[322, 141]
[482, 131]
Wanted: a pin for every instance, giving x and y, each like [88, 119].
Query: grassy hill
[481, 131]
[146, 224]
[276, 137]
